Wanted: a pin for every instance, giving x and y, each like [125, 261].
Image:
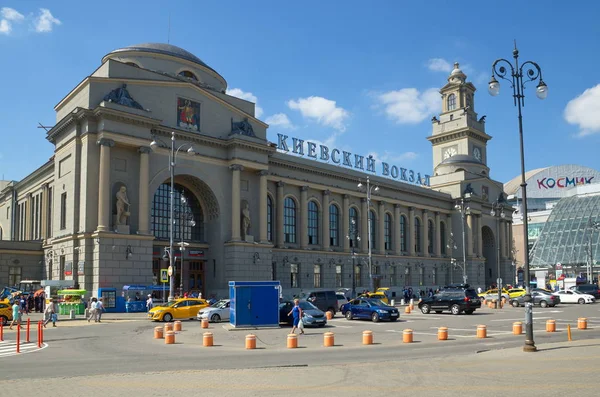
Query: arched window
[451, 102]
[417, 235]
[289, 220]
[313, 223]
[189, 220]
[353, 226]
[388, 232]
[443, 237]
[430, 236]
[373, 221]
[334, 225]
[269, 218]
[188, 74]
[403, 235]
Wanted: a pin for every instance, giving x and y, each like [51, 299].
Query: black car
[591, 289]
[456, 300]
[540, 298]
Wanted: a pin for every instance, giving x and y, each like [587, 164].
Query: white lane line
[342, 326]
[9, 348]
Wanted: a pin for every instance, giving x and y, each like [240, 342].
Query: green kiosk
[71, 299]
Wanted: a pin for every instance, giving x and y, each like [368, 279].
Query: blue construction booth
[254, 303]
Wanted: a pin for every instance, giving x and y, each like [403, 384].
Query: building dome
[457, 74]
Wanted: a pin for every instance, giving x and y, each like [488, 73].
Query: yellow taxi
[5, 313]
[179, 309]
[376, 295]
[516, 292]
[493, 294]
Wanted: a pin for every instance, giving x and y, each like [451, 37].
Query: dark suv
[456, 300]
[591, 289]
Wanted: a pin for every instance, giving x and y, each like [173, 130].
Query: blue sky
[357, 75]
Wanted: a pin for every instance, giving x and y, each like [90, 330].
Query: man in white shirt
[93, 312]
[99, 309]
[149, 302]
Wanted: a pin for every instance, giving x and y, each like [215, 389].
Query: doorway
[489, 253]
[195, 277]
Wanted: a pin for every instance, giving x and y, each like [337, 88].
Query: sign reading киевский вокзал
[347, 159]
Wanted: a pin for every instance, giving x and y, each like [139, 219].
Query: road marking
[520, 319]
[342, 326]
[9, 348]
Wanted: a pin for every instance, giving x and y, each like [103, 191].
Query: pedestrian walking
[99, 309]
[51, 313]
[93, 313]
[296, 313]
[149, 302]
[16, 314]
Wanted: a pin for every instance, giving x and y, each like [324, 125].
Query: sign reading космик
[350, 160]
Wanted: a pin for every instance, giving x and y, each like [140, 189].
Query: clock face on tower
[477, 153]
[449, 152]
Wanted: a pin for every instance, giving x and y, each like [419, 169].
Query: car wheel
[3, 320]
[438, 311]
[332, 310]
[167, 317]
[581, 301]
[375, 317]
[544, 304]
[215, 318]
[469, 311]
[349, 315]
[455, 309]
[425, 309]
[515, 303]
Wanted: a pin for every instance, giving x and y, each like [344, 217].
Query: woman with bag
[51, 313]
[297, 315]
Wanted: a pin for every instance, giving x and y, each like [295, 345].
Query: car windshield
[169, 304]
[220, 305]
[304, 305]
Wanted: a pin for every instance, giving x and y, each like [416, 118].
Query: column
[479, 236]
[469, 234]
[396, 229]
[235, 202]
[510, 240]
[411, 231]
[381, 237]
[425, 238]
[364, 225]
[325, 217]
[104, 184]
[279, 229]
[345, 220]
[29, 218]
[437, 247]
[450, 250]
[44, 222]
[144, 194]
[303, 217]
[502, 238]
[262, 207]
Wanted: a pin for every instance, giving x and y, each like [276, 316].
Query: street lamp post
[370, 189]
[353, 237]
[464, 209]
[156, 142]
[185, 217]
[498, 212]
[533, 73]
[452, 246]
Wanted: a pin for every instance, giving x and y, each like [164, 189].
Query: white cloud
[45, 21]
[390, 157]
[409, 106]
[321, 110]
[247, 96]
[9, 15]
[585, 111]
[279, 120]
[439, 65]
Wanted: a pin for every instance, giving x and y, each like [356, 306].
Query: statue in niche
[121, 96]
[469, 189]
[245, 220]
[122, 206]
[242, 128]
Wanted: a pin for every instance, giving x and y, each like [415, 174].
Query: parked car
[493, 294]
[456, 300]
[216, 312]
[367, 308]
[591, 289]
[516, 292]
[178, 309]
[571, 296]
[376, 295]
[312, 316]
[543, 299]
[324, 300]
[5, 313]
[341, 300]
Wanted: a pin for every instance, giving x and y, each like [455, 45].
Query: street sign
[499, 280]
[558, 266]
[164, 275]
[170, 271]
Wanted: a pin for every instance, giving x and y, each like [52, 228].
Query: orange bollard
[328, 339]
[19, 338]
[177, 326]
[292, 341]
[412, 307]
[27, 331]
[158, 332]
[207, 339]
[250, 341]
[443, 333]
[168, 327]
[1, 330]
[569, 332]
[204, 323]
[367, 338]
[407, 310]
[407, 336]
[517, 328]
[39, 325]
[582, 323]
[550, 325]
[481, 331]
[328, 315]
[170, 338]
[42, 334]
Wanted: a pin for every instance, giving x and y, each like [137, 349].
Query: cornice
[451, 136]
[118, 115]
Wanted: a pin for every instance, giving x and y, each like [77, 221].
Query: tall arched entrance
[489, 253]
[195, 210]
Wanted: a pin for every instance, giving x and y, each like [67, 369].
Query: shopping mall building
[98, 211]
